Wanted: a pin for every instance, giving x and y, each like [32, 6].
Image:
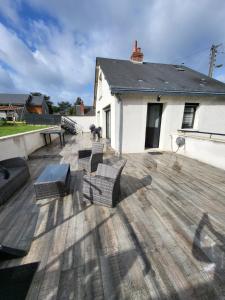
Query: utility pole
[212, 61]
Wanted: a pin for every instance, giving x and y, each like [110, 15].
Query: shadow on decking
[206, 250]
[79, 274]
[130, 185]
[78, 277]
[56, 204]
[103, 266]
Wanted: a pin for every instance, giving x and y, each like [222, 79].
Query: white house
[144, 106]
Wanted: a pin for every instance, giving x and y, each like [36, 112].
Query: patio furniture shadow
[56, 204]
[107, 268]
[206, 250]
[133, 184]
[109, 264]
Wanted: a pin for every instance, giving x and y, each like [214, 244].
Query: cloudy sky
[50, 46]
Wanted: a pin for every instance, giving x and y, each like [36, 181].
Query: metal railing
[202, 132]
[71, 125]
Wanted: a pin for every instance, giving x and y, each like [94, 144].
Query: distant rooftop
[21, 99]
[128, 76]
[14, 99]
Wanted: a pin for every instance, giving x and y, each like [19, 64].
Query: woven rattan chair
[104, 187]
[15, 174]
[89, 159]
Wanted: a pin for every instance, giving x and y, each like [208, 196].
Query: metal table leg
[45, 139]
[60, 137]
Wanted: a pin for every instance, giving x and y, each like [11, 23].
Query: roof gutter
[116, 90]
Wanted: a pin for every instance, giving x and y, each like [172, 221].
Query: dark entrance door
[153, 125]
[108, 123]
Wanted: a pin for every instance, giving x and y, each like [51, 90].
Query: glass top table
[53, 181]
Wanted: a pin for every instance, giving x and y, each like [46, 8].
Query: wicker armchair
[104, 187]
[18, 173]
[89, 159]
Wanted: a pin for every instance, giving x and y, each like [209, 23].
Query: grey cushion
[104, 187]
[19, 173]
[14, 173]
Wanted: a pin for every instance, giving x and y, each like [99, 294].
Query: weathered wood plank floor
[165, 239]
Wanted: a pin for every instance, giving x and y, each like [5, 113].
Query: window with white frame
[189, 115]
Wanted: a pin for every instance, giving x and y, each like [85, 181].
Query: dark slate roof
[14, 99]
[37, 100]
[127, 76]
[21, 99]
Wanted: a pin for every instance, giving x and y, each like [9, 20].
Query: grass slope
[18, 128]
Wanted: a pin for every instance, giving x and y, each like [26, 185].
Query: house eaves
[121, 90]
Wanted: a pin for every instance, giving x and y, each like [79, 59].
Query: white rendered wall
[103, 100]
[84, 121]
[210, 117]
[134, 124]
[134, 120]
[205, 148]
[21, 144]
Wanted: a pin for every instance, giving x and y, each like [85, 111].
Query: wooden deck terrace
[164, 240]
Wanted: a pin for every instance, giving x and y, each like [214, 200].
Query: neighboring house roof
[124, 76]
[37, 100]
[8, 108]
[14, 99]
[22, 99]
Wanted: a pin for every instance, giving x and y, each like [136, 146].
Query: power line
[196, 52]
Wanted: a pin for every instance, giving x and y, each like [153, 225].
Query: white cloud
[55, 67]
[58, 57]
[6, 81]
[221, 77]
[8, 8]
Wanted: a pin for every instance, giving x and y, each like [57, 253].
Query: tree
[55, 109]
[78, 101]
[64, 106]
[49, 104]
[72, 111]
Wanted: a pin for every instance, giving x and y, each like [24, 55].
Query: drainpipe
[120, 138]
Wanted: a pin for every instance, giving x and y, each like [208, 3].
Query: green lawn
[18, 128]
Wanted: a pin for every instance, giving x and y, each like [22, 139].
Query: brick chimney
[137, 55]
[82, 108]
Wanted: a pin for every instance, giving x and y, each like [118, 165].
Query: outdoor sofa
[15, 174]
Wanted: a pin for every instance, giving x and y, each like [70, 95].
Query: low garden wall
[84, 122]
[21, 144]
